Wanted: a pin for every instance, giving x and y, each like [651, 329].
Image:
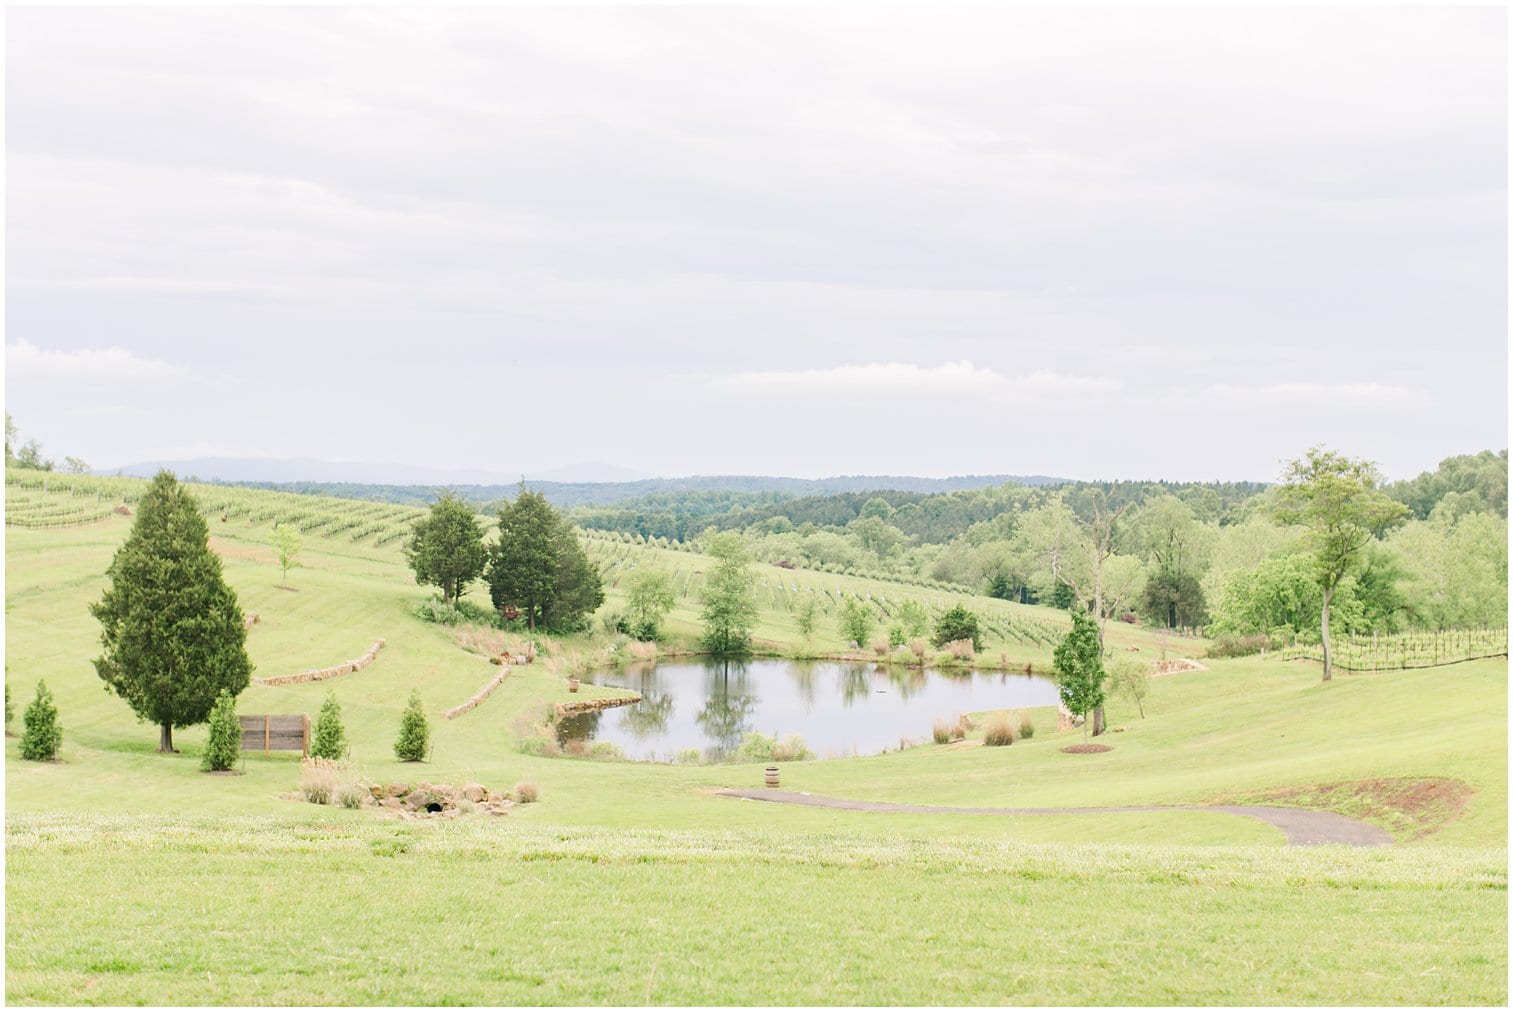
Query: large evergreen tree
[446, 548]
[539, 567]
[172, 629]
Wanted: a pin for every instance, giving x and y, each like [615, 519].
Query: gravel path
[1303, 827]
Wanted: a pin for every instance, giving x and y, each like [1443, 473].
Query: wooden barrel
[772, 776]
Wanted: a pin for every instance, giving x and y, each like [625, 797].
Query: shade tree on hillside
[446, 548]
[172, 630]
[1167, 535]
[538, 567]
[649, 597]
[286, 545]
[1339, 502]
[1456, 569]
[1078, 661]
[729, 597]
[856, 620]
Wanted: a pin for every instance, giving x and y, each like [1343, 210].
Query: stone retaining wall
[479, 696]
[321, 674]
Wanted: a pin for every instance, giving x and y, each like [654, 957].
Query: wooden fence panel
[263, 732]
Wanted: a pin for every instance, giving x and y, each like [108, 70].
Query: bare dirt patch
[1175, 666]
[1410, 807]
[1088, 749]
[227, 550]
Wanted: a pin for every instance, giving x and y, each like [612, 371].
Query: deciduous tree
[1340, 503]
[856, 621]
[287, 544]
[1078, 660]
[729, 598]
[446, 548]
[172, 629]
[649, 597]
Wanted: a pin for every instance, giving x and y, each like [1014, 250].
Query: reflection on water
[838, 709]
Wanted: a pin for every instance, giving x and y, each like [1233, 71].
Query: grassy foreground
[344, 910]
[132, 877]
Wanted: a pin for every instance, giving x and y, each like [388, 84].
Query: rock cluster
[439, 800]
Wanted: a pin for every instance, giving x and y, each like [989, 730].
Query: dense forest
[704, 494]
[1184, 555]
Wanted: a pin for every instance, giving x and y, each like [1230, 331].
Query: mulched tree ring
[1088, 748]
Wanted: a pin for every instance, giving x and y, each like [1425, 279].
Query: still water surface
[838, 708]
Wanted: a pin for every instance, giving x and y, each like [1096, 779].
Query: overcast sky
[1184, 243]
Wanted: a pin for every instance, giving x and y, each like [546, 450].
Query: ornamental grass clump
[319, 780]
[223, 743]
[525, 792]
[942, 731]
[961, 650]
[790, 749]
[1000, 729]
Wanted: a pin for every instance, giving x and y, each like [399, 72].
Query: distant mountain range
[584, 484]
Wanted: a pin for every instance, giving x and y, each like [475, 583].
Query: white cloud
[25, 360]
[1370, 394]
[949, 377]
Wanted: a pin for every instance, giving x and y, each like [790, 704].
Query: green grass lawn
[132, 877]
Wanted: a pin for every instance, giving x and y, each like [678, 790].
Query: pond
[839, 709]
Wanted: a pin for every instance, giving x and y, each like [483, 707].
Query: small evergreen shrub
[958, 623]
[330, 739]
[414, 732]
[223, 744]
[42, 735]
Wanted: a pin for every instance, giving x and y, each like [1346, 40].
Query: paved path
[1302, 826]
